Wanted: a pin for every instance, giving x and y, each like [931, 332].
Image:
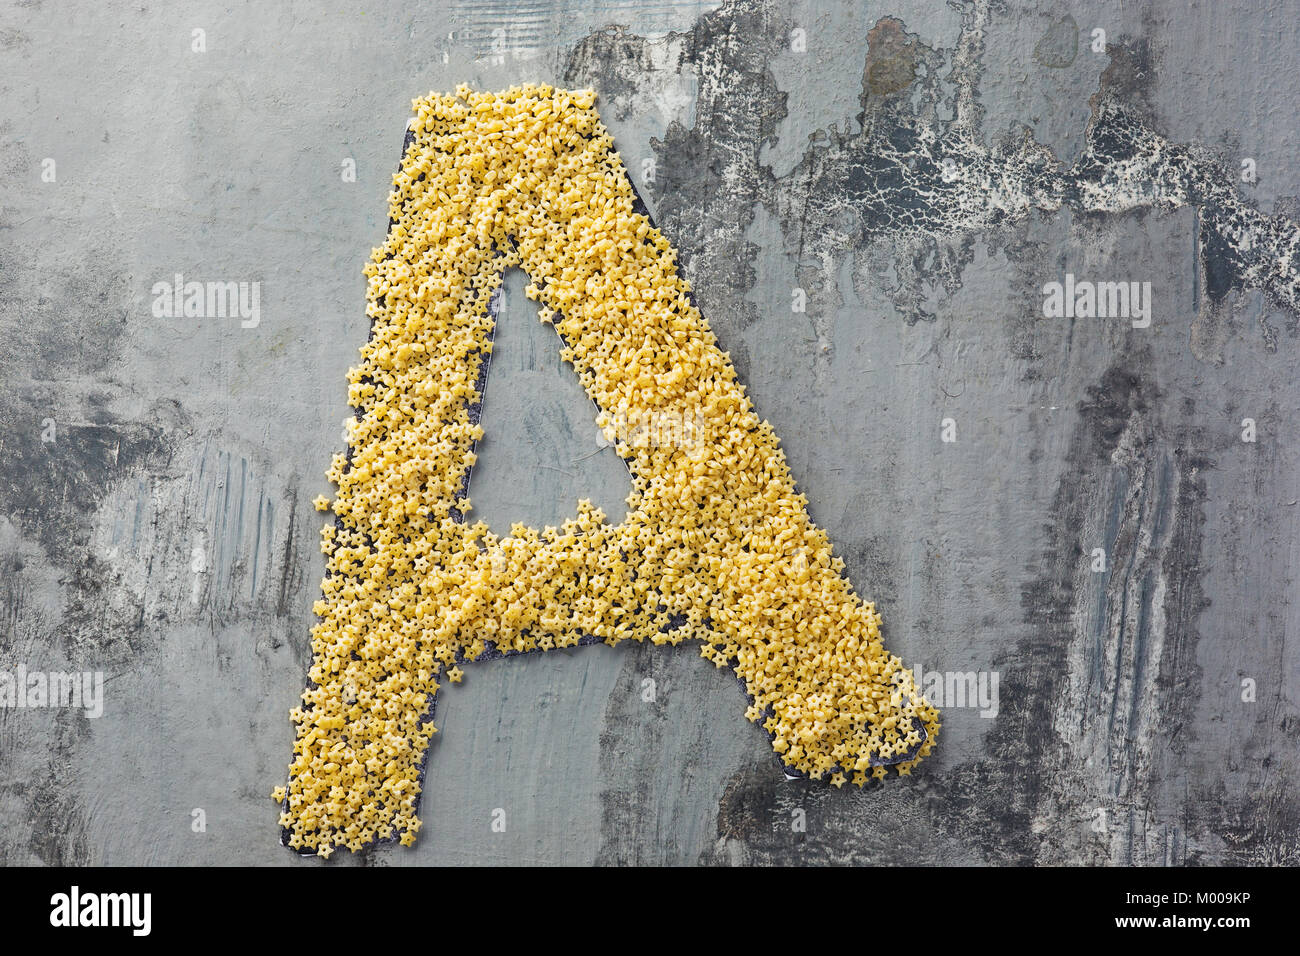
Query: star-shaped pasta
[716, 545]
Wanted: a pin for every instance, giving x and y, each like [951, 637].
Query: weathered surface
[919, 171]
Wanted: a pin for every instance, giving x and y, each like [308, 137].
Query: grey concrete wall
[921, 171]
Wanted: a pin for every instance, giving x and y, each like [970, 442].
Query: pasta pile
[716, 547]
